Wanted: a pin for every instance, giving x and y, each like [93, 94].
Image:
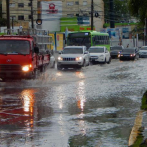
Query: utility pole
[91, 15]
[145, 31]
[112, 24]
[8, 14]
[32, 18]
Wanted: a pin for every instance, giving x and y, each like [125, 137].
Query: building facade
[20, 12]
[51, 12]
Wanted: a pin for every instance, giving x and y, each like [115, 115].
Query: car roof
[97, 46]
[74, 46]
[129, 48]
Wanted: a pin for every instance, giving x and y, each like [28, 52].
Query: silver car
[143, 52]
[73, 57]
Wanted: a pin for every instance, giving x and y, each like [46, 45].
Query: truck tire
[42, 68]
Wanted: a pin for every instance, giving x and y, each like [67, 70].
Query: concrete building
[50, 11]
[20, 11]
[70, 8]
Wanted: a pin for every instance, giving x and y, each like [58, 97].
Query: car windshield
[14, 47]
[96, 50]
[128, 50]
[144, 48]
[73, 51]
[116, 48]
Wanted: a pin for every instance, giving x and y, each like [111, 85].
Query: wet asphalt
[92, 107]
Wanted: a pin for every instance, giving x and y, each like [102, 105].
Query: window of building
[76, 2]
[29, 17]
[29, 4]
[70, 3]
[13, 17]
[84, 3]
[21, 5]
[12, 5]
[70, 15]
[21, 17]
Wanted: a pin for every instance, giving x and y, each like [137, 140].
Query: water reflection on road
[94, 106]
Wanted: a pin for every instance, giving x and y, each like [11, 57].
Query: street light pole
[8, 14]
[32, 19]
[112, 25]
[91, 15]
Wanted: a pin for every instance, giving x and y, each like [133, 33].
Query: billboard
[51, 12]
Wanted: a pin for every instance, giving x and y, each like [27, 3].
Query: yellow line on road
[135, 130]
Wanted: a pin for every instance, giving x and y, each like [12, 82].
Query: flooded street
[92, 107]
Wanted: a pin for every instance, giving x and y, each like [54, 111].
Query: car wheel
[109, 61]
[59, 67]
[84, 63]
[104, 61]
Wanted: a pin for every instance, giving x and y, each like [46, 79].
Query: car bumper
[99, 59]
[127, 57]
[70, 63]
[15, 75]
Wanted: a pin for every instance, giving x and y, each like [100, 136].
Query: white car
[73, 56]
[143, 51]
[99, 54]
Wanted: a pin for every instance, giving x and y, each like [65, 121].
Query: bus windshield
[96, 50]
[73, 51]
[79, 41]
[14, 47]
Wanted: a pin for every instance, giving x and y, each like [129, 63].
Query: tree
[120, 13]
[138, 9]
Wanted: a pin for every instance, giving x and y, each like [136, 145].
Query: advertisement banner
[53, 41]
[51, 12]
[59, 42]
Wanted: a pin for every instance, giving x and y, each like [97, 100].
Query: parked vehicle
[99, 54]
[73, 57]
[115, 50]
[129, 54]
[22, 56]
[143, 52]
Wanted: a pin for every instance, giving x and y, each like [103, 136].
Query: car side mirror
[86, 52]
[36, 50]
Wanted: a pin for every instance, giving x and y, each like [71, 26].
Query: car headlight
[78, 58]
[101, 56]
[60, 58]
[26, 68]
[132, 55]
[121, 55]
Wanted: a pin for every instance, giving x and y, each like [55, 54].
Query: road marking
[135, 130]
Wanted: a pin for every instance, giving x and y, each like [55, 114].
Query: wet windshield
[73, 51]
[79, 41]
[116, 48]
[14, 47]
[128, 50]
[143, 48]
[96, 50]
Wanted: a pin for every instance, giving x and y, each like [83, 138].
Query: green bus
[88, 38]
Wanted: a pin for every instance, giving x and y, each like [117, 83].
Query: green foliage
[120, 10]
[3, 22]
[138, 8]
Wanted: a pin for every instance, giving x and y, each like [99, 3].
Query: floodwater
[92, 107]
